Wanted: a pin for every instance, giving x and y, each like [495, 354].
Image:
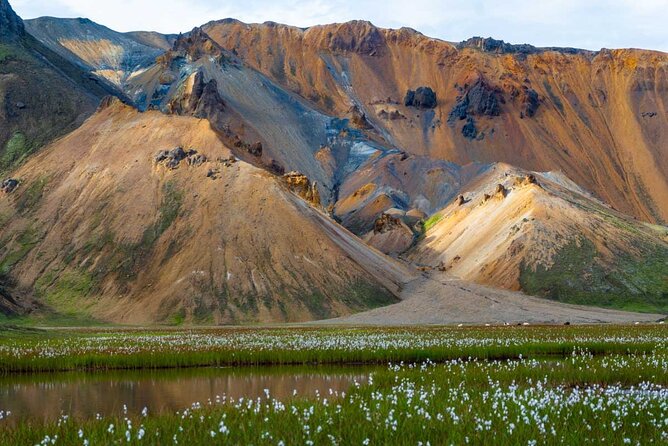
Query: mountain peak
[11, 25]
[196, 44]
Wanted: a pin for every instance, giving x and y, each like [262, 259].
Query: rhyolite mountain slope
[600, 117]
[42, 95]
[542, 234]
[221, 195]
[109, 54]
[104, 227]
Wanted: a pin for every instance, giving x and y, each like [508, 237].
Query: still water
[84, 395]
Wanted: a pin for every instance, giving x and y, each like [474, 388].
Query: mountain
[108, 54]
[265, 173]
[42, 95]
[596, 116]
[599, 117]
[106, 225]
[542, 234]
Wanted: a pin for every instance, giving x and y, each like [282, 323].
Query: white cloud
[589, 24]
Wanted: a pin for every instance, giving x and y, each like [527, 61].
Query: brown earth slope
[542, 234]
[600, 117]
[99, 226]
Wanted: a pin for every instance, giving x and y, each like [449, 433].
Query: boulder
[469, 129]
[255, 149]
[9, 185]
[423, 97]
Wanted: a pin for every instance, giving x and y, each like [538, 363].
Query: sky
[592, 24]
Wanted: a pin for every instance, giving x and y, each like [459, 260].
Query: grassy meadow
[468, 385]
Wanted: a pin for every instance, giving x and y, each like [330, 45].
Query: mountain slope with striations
[542, 234]
[106, 225]
[600, 117]
[268, 173]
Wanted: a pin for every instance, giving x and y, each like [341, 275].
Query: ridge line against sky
[590, 24]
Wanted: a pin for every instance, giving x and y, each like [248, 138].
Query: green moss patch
[579, 276]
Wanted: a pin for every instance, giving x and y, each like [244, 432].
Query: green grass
[572, 398]
[138, 349]
[577, 276]
[431, 221]
[16, 150]
[31, 196]
[25, 242]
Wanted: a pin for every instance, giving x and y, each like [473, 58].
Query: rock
[385, 223]
[527, 180]
[172, 158]
[196, 160]
[393, 115]
[276, 168]
[9, 185]
[423, 97]
[301, 185]
[480, 99]
[213, 174]
[358, 119]
[20, 105]
[531, 103]
[500, 191]
[460, 200]
[469, 130]
[255, 149]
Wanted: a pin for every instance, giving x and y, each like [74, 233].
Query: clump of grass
[431, 221]
[16, 150]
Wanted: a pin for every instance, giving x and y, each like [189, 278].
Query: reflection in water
[83, 395]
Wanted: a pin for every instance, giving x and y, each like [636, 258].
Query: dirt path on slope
[435, 298]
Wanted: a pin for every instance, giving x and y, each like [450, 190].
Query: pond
[46, 396]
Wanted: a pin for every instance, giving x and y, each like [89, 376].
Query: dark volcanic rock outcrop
[202, 101]
[194, 46]
[423, 97]
[479, 99]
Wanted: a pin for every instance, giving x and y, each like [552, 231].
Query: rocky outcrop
[358, 118]
[193, 46]
[171, 159]
[490, 45]
[469, 130]
[423, 97]
[393, 115]
[201, 99]
[500, 191]
[478, 99]
[9, 185]
[527, 180]
[302, 186]
[255, 149]
[530, 101]
[390, 235]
